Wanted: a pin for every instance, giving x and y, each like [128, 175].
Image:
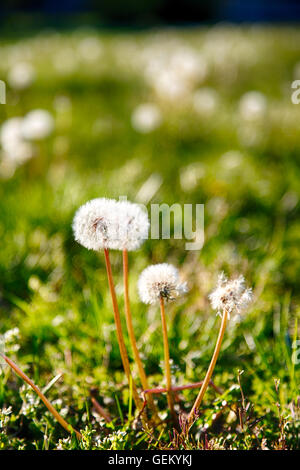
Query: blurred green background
[200, 115]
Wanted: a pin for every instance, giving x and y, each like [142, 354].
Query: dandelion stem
[167, 360]
[51, 408]
[179, 388]
[120, 337]
[210, 369]
[100, 410]
[130, 329]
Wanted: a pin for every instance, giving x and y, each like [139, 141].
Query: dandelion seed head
[230, 295]
[93, 223]
[107, 223]
[160, 280]
[133, 226]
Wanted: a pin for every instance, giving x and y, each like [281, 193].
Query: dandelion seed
[160, 281]
[230, 295]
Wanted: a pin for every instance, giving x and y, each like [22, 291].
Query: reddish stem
[47, 403]
[101, 411]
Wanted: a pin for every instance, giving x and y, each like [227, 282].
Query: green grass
[55, 292]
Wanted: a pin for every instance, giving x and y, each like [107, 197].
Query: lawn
[165, 116]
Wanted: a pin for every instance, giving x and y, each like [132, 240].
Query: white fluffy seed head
[93, 223]
[160, 280]
[106, 223]
[230, 295]
[133, 226]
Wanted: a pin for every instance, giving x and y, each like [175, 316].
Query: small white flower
[230, 295]
[160, 280]
[37, 124]
[94, 223]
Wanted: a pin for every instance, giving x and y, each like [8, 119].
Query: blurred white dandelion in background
[231, 159]
[21, 75]
[253, 105]
[205, 101]
[65, 60]
[14, 149]
[90, 49]
[93, 224]
[37, 124]
[146, 118]
[191, 175]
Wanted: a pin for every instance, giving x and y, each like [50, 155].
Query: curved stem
[101, 411]
[210, 369]
[120, 337]
[180, 388]
[46, 402]
[167, 360]
[130, 329]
